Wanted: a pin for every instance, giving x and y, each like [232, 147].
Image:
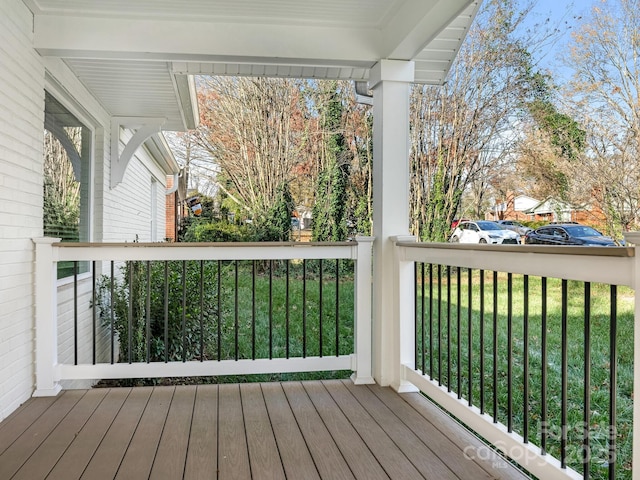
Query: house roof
[137, 56]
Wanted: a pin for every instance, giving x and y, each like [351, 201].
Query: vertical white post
[46, 323]
[389, 80]
[363, 368]
[634, 237]
[404, 334]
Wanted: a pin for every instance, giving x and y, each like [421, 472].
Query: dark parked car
[517, 227]
[568, 234]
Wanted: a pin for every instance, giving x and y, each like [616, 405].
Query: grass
[232, 310]
[521, 404]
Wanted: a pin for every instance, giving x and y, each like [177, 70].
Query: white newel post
[634, 237]
[363, 368]
[390, 81]
[46, 324]
[404, 329]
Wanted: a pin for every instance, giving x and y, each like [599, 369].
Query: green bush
[221, 231]
[137, 299]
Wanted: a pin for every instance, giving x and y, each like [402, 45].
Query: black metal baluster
[184, 310]
[75, 312]
[93, 311]
[586, 447]
[236, 317]
[112, 313]
[439, 325]
[613, 381]
[431, 321]
[253, 309]
[449, 331]
[495, 347]
[166, 312]
[270, 309]
[304, 308]
[544, 431]
[482, 341]
[470, 333]
[422, 343]
[337, 307]
[458, 331]
[509, 352]
[525, 360]
[563, 378]
[321, 301]
[130, 314]
[201, 310]
[219, 286]
[286, 294]
[148, 312]
[416, 343]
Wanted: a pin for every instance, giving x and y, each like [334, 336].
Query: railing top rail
[115, 251]
[608, 265]
[202, 244]
[546, 249]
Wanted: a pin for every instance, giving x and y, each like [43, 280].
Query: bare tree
[252, 129]
[604, 94]
[463, 133]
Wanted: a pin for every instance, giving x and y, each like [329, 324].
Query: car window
[489, 226]
[545, 231]
[583, 231]
[472, 227]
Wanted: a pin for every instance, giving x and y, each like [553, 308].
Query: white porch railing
[452, 269]
[76, 303]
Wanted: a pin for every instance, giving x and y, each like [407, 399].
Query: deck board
[263, 450]
[84, 446]
[295, 430]
[52, 449]
[13, 458]
[327, 457]
[233, 453]
[416, 451]
[202, 454]
[361, 460]
[294, 453]
[113, 447]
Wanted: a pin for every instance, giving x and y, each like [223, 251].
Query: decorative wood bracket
[143, 127]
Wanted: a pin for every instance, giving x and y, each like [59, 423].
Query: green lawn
[454, 339]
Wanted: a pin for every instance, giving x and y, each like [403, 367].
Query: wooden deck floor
[294, 430]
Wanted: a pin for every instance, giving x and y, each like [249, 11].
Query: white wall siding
[21, 139]
[127, 210]
[115, 215]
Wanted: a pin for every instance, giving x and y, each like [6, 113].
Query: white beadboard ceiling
[136, 56]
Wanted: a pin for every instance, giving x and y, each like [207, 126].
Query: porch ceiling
[134, 55]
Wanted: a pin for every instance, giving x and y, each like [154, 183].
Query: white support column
[363, 369]
[389, 80]
[46, 324]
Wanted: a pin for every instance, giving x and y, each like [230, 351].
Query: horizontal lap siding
[21, 133]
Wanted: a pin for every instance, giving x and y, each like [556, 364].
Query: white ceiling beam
[417, 23]
[134, 38]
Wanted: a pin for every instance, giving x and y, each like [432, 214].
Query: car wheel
[482, 240]
[454, 239]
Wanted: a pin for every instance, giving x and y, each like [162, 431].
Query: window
[67, 161]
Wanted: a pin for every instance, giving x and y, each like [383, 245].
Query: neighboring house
[515, 207]
[554, 210]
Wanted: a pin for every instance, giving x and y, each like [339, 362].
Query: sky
[563, 14]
